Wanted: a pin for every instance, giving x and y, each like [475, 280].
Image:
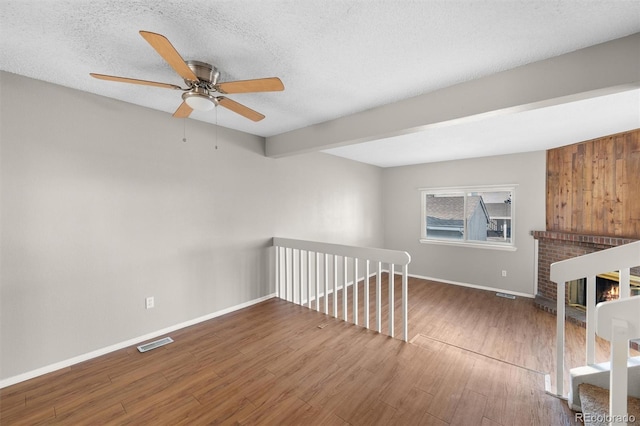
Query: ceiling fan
[202, 82]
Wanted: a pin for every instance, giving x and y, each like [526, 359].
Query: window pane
[445, 216]
[492, 211]
[478, 216]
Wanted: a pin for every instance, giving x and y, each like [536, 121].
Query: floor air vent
[506, 296]
[148, 346]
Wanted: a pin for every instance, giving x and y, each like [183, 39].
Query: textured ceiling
[335, 57]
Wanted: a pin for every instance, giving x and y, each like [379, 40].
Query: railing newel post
[309, 280]
[277, 272]
[317, 265]
[335, 286]
[379, 298]
[391, 298]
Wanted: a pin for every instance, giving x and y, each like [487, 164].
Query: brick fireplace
[556, 246]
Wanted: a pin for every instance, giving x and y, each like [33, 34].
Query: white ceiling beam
[594, 71]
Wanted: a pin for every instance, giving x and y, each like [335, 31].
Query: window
[475, 216]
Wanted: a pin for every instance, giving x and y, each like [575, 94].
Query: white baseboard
[479, 287]
[330, 291]
[99, 352]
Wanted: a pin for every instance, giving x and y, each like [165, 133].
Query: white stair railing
[622, 259]
[303, 276]
[618, 321]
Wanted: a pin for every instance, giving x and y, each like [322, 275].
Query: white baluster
[405, 303]
[344, 287]
[300, 275]
[286, 274]
[618, 380]
[366, 293]
[624, 278]
[624, 287]
[560, 339]
[591, 319]
[355, 290]
[326, 283]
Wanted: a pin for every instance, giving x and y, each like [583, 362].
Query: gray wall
[102, 204]
[467, 265]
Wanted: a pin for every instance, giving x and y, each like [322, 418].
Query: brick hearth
[557, 246]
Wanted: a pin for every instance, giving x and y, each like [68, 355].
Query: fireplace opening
[607, 288]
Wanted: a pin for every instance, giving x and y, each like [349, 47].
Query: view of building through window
[478, 215]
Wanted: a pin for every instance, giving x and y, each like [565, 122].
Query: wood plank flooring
[513, 331]
[279, 363]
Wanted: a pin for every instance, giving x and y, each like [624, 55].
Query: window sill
[503, 247]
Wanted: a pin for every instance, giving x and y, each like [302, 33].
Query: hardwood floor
[474, 359]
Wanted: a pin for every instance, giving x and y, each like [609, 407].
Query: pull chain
[184, 130]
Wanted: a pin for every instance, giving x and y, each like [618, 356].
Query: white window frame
[464, 191]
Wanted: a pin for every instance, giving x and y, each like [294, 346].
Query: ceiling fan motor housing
[205, 72]
[198, 97]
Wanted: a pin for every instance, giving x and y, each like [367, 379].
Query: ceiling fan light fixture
[200, 100]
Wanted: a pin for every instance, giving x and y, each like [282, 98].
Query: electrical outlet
[504, 273]
[149, 302]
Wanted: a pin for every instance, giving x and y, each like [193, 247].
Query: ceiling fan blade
[272, 84]
[183, 111]
[164, 47]
[134, 81]
[240, 109]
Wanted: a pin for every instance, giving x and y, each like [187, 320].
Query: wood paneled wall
[593, 187]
